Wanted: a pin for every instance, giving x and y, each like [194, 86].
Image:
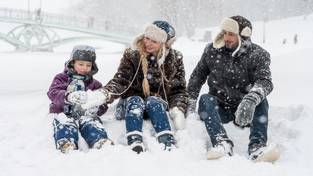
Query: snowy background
[27, 147]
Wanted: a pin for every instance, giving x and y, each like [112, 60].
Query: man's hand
[245, 110]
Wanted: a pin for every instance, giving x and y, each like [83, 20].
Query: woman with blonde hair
[151, 80]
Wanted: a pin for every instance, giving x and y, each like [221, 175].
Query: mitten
[178, 118]
[77, 97]
[92, 112]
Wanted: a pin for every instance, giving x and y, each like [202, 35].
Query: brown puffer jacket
[175, 92]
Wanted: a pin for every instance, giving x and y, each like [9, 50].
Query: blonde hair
[144, 66]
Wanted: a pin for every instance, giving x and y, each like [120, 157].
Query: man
[239, 78]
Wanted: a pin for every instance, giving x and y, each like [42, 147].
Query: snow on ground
[27, 146]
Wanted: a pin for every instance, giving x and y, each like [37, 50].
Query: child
[66, 92]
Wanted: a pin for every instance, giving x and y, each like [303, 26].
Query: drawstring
[160, 62]
[163, 85]
[119, 94]
[137, 70]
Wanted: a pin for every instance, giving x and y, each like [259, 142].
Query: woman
[151, 79]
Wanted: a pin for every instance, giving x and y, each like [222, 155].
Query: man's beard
[230, 46]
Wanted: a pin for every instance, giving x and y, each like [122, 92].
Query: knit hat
[83, 53]
[235, 24]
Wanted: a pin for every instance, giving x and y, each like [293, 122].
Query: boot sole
[270, 155]
[214, 155]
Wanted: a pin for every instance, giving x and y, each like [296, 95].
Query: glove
[120, 109]
[191, 107]
[92, 112]
[245, 110]
[77, 97]
[96, 98]
[178, 118]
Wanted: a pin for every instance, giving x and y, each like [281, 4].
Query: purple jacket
[57, 90]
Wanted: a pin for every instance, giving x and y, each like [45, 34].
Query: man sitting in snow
[239, 79]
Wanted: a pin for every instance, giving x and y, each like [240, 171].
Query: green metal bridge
[35, 31]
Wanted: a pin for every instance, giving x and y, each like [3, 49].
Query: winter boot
[134, 140]
[101, 143]
[168, 141]
[137, 147]
[65, 145]
[263, 153]
[223, 148]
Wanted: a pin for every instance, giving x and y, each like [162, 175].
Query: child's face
[82, 67]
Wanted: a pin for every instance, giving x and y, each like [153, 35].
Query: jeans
[91, 130]
[214, 116]
[136, 108]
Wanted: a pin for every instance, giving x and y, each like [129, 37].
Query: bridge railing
[40, 17]
[15, 14]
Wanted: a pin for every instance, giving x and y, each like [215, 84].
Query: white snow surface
[27, 146]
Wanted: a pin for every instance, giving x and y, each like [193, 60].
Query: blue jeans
[91, 130]
[214, 116]
[136, 108]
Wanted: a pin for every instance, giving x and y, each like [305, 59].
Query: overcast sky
[52, 6]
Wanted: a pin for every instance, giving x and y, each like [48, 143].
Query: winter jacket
[174, 92]
[59, 86]
[231, 77]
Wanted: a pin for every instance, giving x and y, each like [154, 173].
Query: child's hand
[92, 112]
[77, 97]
